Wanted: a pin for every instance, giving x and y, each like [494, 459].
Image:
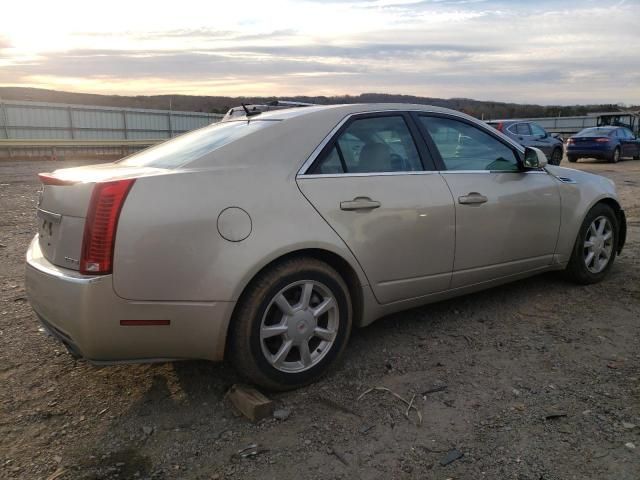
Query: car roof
[312, 125]
[607, 128]
[491, 122]
[346, 109]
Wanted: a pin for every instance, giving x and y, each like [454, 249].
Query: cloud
[547, 52]
[164, 64]
[364, 50]
[213, 34]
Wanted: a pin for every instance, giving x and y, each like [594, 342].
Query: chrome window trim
[492, 171]
[420, 172]
[369, 174]
[314, 155]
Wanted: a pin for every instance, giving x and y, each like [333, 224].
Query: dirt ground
[539, 379]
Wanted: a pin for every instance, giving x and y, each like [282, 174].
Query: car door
[618, 135]
[635, 141]
[376, 186]
[541, 139]
[628, 143]
[521, 133]
[507, 219]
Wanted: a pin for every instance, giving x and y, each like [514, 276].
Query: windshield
[595, 132]
[193, 145]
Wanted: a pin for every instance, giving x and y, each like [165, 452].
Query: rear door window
[372, 145]
[523, 129]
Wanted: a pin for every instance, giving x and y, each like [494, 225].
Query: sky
[544, 52]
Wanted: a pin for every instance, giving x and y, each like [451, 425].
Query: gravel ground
[536, 380]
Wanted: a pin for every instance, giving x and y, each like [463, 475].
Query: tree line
[220, 104]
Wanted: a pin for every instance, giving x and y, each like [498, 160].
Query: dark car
[529, 134]
[606, 143]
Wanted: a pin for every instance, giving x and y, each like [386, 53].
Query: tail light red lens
[500, 126]
[602, 140]
[100, 226]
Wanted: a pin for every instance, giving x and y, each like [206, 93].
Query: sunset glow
[542, 52]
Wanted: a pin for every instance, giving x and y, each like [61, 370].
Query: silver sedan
[266, 239]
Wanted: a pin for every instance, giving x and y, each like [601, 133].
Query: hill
[220, 104]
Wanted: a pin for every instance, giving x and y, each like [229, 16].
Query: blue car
[606, 143]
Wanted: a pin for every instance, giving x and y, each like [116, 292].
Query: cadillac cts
[266, 239]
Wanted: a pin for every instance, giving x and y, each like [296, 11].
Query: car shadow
[189, 396]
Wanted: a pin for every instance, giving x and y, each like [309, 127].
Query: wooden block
[250, 402]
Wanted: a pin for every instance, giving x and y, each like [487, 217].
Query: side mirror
[534, 158]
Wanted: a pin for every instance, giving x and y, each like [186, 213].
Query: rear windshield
[193, 145]
[595, 132]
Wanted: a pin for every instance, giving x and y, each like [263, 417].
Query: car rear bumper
[603, 153]
[85, 314]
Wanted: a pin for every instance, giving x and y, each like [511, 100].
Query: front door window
[465, 147]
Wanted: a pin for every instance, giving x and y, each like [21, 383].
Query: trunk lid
[587, 142]
[63, 204]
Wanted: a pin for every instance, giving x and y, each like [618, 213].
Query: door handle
[359, 203]
[473, 198]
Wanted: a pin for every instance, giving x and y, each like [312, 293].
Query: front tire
[595, 248]
[291, 325]
[556, 156]
[572, 159]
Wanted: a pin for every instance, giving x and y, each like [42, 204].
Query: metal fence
[52, 129]
[567, 125]
[563, 125]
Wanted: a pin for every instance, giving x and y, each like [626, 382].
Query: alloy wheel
[299, 326]
[598, 244]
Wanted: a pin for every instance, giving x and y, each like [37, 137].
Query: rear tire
[615, 156]
[298, 302]
[556, 156]
[597, 239]
[572, 159]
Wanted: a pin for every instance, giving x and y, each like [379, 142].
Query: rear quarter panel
[168, 247]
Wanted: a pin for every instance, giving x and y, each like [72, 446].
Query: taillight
[100, 226]
[571, 141]
[499, 126]
[602, 140]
